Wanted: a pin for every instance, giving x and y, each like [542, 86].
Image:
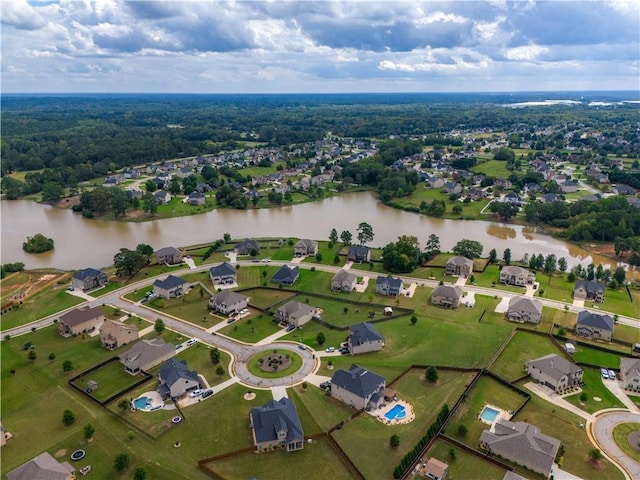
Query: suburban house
[363, 338]
[389, 286]
[227, 302]
[44, 467]
[589, 290]
[630, 373]
[286, 275]
[524, 309]
[522, 443]
[594, 325]
[460, 266]
[295, 313]
[358, 387]
[435, 469]
[512, 275]
[554, 372]
[246, 246]
[447, 296]
[451, 188]
[146, 354]
[170, 287]
[343, 281]
[358, 254]
[115, 334]
[175, 379]
[169, 255]
[305, 247]
[88, 279]
[276, 425]
[80, 320]
[223, 274]
[196, 199]
[161, 197]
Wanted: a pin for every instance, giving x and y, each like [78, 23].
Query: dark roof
[364, 332]
[173, 370]
[285, 274]
[358, 250]
[80, 315]
[459, 260]
[247, 244]
[87, 272]
[170, 282]
[295, 307]
[595, 320]
[554, 366]
[357, 380]
[394, 283]
[590, 285]
[449, 291]
[167, 251]
[275, 416]
[222, 270]
[227, 297]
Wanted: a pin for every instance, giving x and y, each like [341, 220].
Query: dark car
[371, 314]
[207, 393]
[231, 320]
[290, 328]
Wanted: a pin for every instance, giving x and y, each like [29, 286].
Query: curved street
[603, 433]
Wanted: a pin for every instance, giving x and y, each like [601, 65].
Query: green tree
[32, 354]
[595, 455]
[159, 326]
[462, 430]
[38, 244]
[219, 371]
[51, 191]
[320, 338]
[128, 262]
[394, 441]
[144, 249]
[468, 248]
[433, 244]
[493, 255]
[174, 186]
[139, 474]
[365, 233]
[452, 453]
[124, 404]
[583, 397]
[333, 236]
[118, 201]
[52, 356]
[550, 264]
[149, 204]
[346, 237]
[562, 264]
[431, 374]
[150, 186]
[67, 366]
[68, 417]
[506, 256]
[402, 256]
[121, 462]
[619, 275]
[88, 431]
[414, 320]
[504, 154]
[214, 354]
[318, 257]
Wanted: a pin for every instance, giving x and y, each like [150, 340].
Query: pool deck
[502, 415]
[409, 417]
[156, 401]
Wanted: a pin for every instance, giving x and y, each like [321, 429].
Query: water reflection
[501, 231]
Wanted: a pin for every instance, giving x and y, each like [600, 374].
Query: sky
[319, 47]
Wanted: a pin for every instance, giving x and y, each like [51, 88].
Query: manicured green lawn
[522, 347]
[264, 297]
[366, 440]
[490, 277]
[565, 426]
[138, 295]
[596, 357]
[109, 287]
[492, 168]
[316, 461]
[42, 304]
[198, 358]
[192, 307]
[254, 364]
[621, 436]
[486, 391]
[555, 287]
[252, 328]
[635, 399]
[594, 388]
[318, 412]
[111, 379]
[465, 465]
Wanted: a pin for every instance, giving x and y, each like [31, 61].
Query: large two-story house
[555, 372]
[88, 279]
[358, 387]
[276, 425]
[447, 296]
[115, 334]
[305, 247]
[589, 290]
[389, 286]
[80, 320]
[343, 281]
[518, 276]
[594, 325]
[460, 266]
[170, 287]
[223, 274]
[524, 309]
[363, 338]
[227, 302]
[295, 313]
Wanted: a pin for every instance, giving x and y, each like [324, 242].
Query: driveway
[615, 387]
[603, 433]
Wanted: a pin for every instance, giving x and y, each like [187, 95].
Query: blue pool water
[489, 414]
[397, 412]
[141, 403]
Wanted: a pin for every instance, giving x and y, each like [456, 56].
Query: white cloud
[440, 17]
[525, 53]
[21, 15]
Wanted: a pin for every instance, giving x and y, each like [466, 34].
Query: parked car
[291, 328]
[371, 314]
[231, 320]
[195, 393]
[207, 393]
[179, 346]
[191, 341]
[612, 374]
[330, 349]
[302, 346]
[266, 260]
[326, 384]
[71, 289]
[256, 260]
[604, 373]
[244, 311]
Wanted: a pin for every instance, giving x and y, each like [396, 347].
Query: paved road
[603, 432]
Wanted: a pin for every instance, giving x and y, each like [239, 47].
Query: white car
[191, 341]
[266, 260]
[195, 393]
[244, 311]
[330, 349]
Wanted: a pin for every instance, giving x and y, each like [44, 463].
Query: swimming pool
[396, 413]
[141, 403]
[489, 414]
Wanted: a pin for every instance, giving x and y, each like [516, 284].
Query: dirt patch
[249, 396]
[44, 278]
[60, 453]
[67, 202]
[634, 440]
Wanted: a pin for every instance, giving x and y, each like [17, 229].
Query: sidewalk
[552, 397]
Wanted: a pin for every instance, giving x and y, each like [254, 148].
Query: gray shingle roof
[554, 366]
[285, 274]
[161, 252]
[274, 416]
[590, 286]
[87, 272]
[395, 284]
[357, 380]
[449, 291]
[222, 270]
[227, 297]
[343, 275]
[80, 315]
[525, 304]
[295, 307]
[42, 467]
[173, 370]
[170, 282]
[364, 332]
[459, 260]
[595, 320]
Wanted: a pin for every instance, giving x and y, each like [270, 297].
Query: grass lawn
[192, 307]
[492, 168]
[254, 364]
[489, 278]
[318, 412]
[565, 426]
[111, 379]
[109, 287]
[594, 388]
[328, 254]
[522, 347]
[596, 357]
[316, 461]
[264, 297]
[621, 436]
[617, 301]
[42, 304]
[14, 283]
[486, 390]
[635, 399]
[555, 287]
[252, 328]
[198, 358]
[138, 295]
[465, 465]
[366, 440]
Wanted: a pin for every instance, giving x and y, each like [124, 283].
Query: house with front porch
[286, 275]
[555, 372]
[168, 255]
[594, 325]
[295, 313]
[358, 254]
[88, 279]
[115, 334]
[459, 266]
[223, 274]
[276, 425]
[305, 247]
[388, 286]
[358, 387]
[80, 320]
[170, 287]
[343, 281]
[227, 302]
[447, 296]
[518, 276]
[524, 309]
[589, 290]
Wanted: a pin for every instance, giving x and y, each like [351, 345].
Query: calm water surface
[80, 242]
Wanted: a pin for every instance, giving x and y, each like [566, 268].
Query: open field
[522, 347]
[366, 440]
[465, 465]
[264, 297]
[110, 378]
[318, 412]
[251, 328]
[492, 168]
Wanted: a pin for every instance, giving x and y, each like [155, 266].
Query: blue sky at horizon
[319, 47]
